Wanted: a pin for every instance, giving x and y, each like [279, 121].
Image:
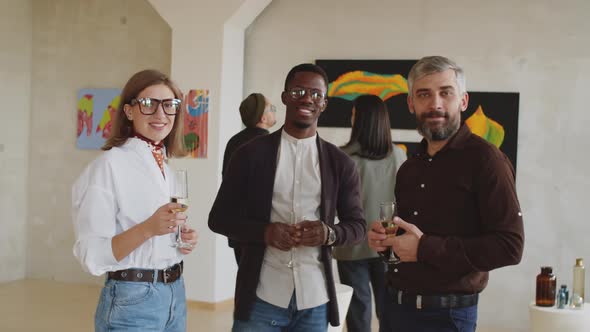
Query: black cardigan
[241, 211]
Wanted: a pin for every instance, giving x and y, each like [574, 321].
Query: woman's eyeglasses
[149, 106]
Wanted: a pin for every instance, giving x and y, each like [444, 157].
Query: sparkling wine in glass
[292, 222]
[179, 194]
[386, 213]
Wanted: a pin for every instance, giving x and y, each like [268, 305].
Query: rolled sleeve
[95, 254]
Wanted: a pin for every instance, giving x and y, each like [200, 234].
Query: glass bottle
[578, 288]
[546, 284]
[562, 297]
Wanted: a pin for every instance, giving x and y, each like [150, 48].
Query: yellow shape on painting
[485, 127]
[355, 83]
[85, 105]
[106, 115]
[403, 147]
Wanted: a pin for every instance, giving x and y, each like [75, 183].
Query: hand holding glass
[386, 213]
[179, 194]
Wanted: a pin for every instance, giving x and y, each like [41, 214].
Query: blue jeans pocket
[465, 319]
[131, 293]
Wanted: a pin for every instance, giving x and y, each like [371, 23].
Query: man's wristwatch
[331, 238]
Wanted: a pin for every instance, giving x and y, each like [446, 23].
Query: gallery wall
[536, 48]
[76, 44]
[15, 83]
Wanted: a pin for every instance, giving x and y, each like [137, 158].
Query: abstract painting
[96, 108]
[196, 104]
[491, 115]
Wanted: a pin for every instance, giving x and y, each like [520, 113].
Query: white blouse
[120, 189]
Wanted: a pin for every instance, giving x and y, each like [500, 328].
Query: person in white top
[278, 200]
[123, 219]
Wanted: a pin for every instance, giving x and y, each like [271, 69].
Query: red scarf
[157, 151]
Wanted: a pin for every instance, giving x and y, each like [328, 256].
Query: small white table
[551, 319]
[343, 296]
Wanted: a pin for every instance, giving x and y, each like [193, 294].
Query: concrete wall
[15, 84]
[77, 44]
[537, 48]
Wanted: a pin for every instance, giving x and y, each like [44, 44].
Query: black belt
[166, 276]
[446, 301]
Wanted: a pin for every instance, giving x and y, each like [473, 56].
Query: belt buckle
[165, 275]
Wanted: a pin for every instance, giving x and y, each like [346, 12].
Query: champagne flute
[179, 194]
[292, 222]
[386, 213]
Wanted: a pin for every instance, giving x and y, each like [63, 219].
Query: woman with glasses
[377, 160]
[123, 217]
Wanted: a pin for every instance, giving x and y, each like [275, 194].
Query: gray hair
[435, 64]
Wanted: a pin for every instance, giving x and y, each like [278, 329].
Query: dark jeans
[406, 318]
[361, 275]
[266, 317]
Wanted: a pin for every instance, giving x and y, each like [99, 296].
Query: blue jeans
[266, 317]
[141, 306]
[361, 275]
[406, 318]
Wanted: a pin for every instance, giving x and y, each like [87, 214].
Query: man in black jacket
[279, 199]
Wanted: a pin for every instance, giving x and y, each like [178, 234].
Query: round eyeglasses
[298, 93]
[149, 106]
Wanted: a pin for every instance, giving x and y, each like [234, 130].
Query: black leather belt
[446, 301]
[166, 276]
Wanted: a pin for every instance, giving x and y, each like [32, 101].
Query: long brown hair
[122, 128]
[371, 128]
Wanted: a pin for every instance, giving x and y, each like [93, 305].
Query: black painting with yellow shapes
[491, 115]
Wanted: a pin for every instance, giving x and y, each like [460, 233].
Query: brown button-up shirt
[464, 200]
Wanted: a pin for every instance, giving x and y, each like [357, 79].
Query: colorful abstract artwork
[196, 104]
[95, 110]
[491, 115]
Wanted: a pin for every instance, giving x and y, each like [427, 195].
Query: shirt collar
[460, 138]
[305, 141]
[456, 142]
[150, 143]
[139, 144]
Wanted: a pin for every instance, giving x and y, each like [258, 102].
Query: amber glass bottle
[546, 284]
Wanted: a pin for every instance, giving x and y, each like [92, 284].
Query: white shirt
[120, 189]
[296, 197]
